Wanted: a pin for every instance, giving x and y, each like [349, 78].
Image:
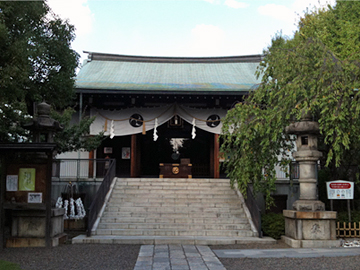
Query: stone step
[160, 207]
[167, 240]
[159, 195]
[231, 204]
[174, 215]
[205, 220]
[170, 232]
[174, 191]
[173, 226]
[173, 209]
[206, 201]
[176, 180]
[184, 185]
[172, 184]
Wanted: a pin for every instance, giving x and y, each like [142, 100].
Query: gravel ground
[338, 263]
[279, 244]
[80, 256]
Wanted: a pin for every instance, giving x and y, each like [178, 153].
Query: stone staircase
[173, 211]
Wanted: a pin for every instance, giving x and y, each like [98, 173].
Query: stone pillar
[308, 224]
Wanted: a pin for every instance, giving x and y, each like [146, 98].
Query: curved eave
[161, 92]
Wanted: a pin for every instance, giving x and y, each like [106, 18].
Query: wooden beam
[133, 159]
[216, 156]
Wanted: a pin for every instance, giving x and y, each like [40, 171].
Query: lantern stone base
[310, 229]
[29, 225]
[309, 205]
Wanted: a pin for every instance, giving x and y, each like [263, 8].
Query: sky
[193, 28]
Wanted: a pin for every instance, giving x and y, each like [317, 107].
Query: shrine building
[158, 110]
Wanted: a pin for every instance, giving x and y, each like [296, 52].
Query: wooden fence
[347, 229]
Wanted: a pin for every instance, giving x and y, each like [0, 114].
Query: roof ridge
[256, 58]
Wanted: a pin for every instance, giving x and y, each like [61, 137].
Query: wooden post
[216, 156]
[48, 200]
[91, 164]
[211, 172]
[133, 161]
[3, 167]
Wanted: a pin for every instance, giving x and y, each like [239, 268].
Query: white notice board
[340, 190]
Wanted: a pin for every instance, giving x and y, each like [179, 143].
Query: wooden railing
[254, 210]
[99, 199]
[347, 229]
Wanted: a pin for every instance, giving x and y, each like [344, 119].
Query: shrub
[273, 225]
[343, 216]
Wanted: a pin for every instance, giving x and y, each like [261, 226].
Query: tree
[36, 64]
[315, 71]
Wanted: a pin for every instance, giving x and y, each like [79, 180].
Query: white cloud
[291, 14]
[235, 4]
[76, 11]
[300, 6]
[279, 12]
[206, 40]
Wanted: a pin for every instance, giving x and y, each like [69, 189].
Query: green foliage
[72, 138]
[37, 64]
[344, 217]
[273, 225]
[323, 177]
[316, 71]
[9, 265]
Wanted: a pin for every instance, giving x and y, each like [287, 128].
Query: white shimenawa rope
[193, 133]
[112, 129]
[155, 130]
[66, 205]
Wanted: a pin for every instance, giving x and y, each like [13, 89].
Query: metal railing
[79, 168]
[254, 210]
[99, 199]
[294, 170]
[284, 175]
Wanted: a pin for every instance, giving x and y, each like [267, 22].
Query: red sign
[340, 185]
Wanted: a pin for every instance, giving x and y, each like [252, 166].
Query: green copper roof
[129, 73]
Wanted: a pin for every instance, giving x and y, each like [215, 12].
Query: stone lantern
[307, 155]
[27, 201]
[308, 224]
[43, 127]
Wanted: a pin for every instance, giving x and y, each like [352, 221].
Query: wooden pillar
[216, 156]
[91, 164]
[3, 167]
[48, 200]
[211, 172]
[133, 159]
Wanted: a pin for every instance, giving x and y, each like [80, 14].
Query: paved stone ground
[177, 257]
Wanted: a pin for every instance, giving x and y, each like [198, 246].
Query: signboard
[340, 190]
[125, 153]
[35, 197]
[108, 150]
[12, 183]
[26, 179]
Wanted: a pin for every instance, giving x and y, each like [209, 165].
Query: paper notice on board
[12, 183]
[27, 179]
